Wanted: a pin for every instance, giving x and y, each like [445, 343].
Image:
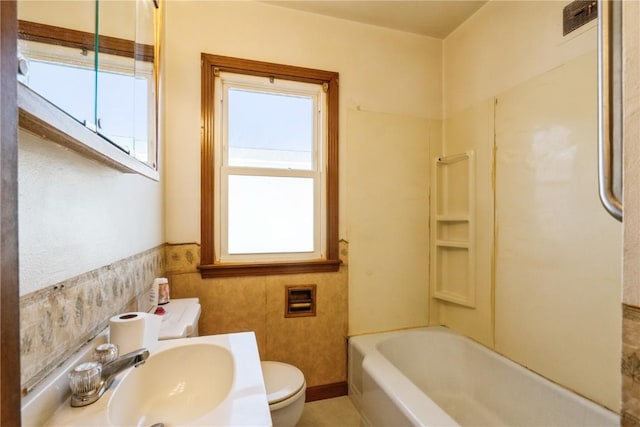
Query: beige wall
[392, 88]
[631, 294]
[506, 43]
[471, 130]
[631, 272]
[391, 97]
[90, 241]
[315, 344]
[558, 264]
[77, 215]
[116, 19]
[558, 255]
[388, 227]
[382, 72]
[91, 238]
[67, 14]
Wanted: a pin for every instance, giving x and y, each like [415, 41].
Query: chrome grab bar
[610, 106]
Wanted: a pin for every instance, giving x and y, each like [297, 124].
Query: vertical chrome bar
[610, 106]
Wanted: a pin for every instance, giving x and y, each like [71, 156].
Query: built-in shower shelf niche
[453, 229]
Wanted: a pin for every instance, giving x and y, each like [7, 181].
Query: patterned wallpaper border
[57, 320]
[185, 257]
[630, 366]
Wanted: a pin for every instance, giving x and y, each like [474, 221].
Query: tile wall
[57, 320]
[316, 345]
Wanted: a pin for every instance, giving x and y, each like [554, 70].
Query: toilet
[285, 384]
[180, 319]
[286, 390]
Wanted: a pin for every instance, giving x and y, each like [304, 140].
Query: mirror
[57, 40]
[113, 93]
[145, 101]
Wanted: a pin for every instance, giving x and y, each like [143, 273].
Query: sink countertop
[246, 403]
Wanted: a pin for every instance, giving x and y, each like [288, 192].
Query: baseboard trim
[326, 391]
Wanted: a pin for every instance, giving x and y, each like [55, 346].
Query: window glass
[270, 214]
[68, 79]
[65, 86]
[125, 123]
[270, 130]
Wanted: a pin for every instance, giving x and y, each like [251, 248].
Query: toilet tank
[180, 319]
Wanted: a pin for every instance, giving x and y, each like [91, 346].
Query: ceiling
[434, 18]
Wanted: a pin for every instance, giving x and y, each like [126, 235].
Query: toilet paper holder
[300, 301]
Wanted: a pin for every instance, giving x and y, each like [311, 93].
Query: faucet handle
[105, 353]
[85, 378]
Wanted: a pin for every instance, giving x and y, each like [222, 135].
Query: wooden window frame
[50, 34]
[213, 64]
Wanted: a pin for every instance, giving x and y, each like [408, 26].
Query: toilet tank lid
[180, 319]
[281, 380]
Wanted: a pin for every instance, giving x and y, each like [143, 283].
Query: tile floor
[336, 412]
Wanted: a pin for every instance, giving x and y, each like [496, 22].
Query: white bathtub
[435, 377]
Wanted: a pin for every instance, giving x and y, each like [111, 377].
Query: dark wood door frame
[10, 396]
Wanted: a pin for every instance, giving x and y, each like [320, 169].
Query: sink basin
[213, 380]
[175, 386]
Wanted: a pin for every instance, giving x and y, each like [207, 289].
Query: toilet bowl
[286, 390]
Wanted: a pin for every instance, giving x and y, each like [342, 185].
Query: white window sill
[40, 117]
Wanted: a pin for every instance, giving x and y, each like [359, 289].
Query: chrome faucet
[90, 380]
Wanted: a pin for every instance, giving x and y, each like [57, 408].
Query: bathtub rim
[367, 345]
[416, 405]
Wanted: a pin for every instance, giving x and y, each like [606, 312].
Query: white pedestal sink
[209, 380]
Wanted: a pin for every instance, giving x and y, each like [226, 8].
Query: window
[116, 101]
[125, 124]
[269, 168]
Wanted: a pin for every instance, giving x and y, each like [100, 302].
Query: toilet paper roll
[132, 331]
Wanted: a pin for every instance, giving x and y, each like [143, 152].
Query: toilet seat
[281, 380]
